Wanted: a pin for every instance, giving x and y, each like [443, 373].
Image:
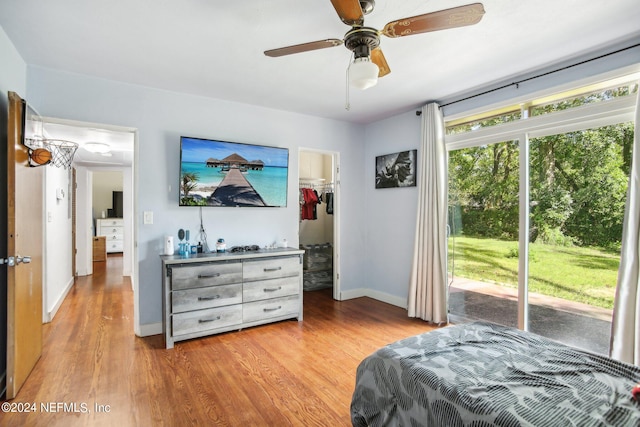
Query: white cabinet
[206, 294]
[113, 230]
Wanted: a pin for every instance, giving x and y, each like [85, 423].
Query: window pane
[483, 122]
[584, 99]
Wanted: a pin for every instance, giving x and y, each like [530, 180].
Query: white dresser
[206, 294]
[113, 230]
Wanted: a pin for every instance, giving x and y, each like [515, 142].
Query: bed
[482, 374]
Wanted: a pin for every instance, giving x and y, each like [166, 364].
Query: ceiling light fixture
[363, 73]
[97, 147]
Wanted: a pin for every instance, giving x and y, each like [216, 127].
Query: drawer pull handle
[208, 298]
[208, 276]
[272, 289]
[266, 270]
[208, 320]
[272, 309]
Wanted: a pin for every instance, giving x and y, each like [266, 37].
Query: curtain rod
[539, 75]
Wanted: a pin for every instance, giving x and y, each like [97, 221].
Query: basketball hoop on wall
[56, 152]
[61, 152]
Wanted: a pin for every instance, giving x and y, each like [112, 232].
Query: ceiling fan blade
[349, 11]
[377, 57]
[304, 47]
[441, 20]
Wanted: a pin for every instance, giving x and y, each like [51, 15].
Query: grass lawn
[584, 275]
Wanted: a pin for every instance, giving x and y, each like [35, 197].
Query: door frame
[335, 157]
[84, 173]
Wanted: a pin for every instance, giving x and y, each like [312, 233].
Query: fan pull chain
[347, 105]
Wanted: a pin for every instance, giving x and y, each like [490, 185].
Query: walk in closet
[317, 210]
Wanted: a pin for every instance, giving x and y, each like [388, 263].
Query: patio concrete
[575, 324]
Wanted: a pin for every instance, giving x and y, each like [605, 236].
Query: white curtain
[428, 287]
[625, 327]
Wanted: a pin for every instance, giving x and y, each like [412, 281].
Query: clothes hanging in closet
[310, 200]
[328, 200]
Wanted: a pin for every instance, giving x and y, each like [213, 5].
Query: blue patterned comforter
[482, 374]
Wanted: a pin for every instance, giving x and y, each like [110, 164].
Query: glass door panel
[483, 233]
[578, 184]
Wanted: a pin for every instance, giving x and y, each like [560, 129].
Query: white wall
[390, 212]
[161, 117]
[57, 261]
[84, 223]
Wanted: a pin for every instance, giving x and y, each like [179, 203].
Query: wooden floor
[95, 371]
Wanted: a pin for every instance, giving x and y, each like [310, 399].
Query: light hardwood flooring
[95, 372]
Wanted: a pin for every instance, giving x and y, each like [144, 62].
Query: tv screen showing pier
[233, 174]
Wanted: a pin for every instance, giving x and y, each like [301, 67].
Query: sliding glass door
[578, 184]
[483, 233]
[535, 221]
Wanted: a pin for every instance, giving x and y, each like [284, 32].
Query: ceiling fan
[369, 62]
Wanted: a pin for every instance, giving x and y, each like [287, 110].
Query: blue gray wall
[161, 117]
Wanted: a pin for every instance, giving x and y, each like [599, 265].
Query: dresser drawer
[116, 246]
[109, 222]
[200, 298]
[111, 236]
[112, 232]
[276, 307]
[203, 320]
[201, 275]
[271, 268]
[273, 288]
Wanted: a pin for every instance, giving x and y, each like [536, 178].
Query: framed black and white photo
[396, 170]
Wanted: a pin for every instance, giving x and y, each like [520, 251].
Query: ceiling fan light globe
[363, 73]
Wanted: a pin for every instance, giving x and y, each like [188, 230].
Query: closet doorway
[319, 220]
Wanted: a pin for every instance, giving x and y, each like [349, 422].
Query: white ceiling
[215, 48]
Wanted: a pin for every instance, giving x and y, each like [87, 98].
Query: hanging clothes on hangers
[328, 200]
[308, 208]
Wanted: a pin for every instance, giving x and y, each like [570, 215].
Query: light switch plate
[148, 217]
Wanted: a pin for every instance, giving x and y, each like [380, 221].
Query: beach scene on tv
[221, 173]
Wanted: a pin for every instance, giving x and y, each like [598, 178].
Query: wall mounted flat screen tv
[223, 173]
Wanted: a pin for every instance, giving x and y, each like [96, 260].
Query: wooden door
[25, 239]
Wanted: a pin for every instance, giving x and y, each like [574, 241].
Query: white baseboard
[51, 313]
[377, 295]
[150, 329]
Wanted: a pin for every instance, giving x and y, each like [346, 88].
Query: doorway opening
[319, 220]
[115, 168]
